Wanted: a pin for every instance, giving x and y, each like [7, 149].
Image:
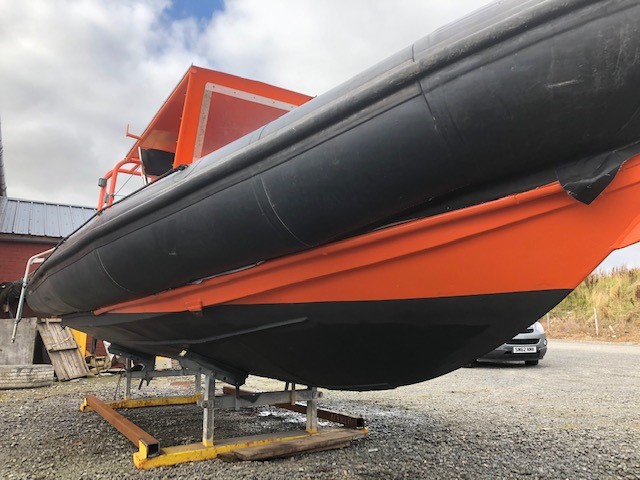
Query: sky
[75, 73]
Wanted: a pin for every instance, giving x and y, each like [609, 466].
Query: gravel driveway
[576, 415]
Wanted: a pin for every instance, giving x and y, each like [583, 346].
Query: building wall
[13, 260]
[14, 256]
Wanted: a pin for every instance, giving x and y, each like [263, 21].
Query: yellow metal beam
[146, 458]
[146, 402]
[197, 451]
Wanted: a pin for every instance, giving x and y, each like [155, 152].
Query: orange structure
[205, 111]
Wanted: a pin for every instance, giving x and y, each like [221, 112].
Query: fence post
[595, 317]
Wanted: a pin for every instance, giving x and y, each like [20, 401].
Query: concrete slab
[20, 352]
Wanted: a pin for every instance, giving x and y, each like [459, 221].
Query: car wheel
[25, 376]
[531, 362]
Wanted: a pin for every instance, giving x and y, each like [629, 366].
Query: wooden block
[49, 320]
[228, 457]
[324, 440]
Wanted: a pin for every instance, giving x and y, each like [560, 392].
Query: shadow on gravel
[501, 365]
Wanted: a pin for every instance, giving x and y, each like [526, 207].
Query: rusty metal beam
[346, 420]
[140, 438]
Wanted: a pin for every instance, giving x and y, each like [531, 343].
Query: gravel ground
[576, 415]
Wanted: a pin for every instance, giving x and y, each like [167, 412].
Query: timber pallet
[62, 348]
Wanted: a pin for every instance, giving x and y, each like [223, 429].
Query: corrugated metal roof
[40, 219]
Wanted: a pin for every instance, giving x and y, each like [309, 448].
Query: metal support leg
[312, 412]
[127, 384]
[208, 404]
[259, 447]
[198, 383]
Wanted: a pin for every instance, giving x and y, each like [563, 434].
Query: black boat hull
[337, 345]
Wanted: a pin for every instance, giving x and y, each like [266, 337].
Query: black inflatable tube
[410, 96]
[242, 156]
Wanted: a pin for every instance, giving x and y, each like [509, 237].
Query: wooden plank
[65, 349]
[324, 440]
[50, 320]
[60, 337]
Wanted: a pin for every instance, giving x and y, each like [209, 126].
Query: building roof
[40, 219]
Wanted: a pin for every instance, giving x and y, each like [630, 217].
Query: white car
[529, 346]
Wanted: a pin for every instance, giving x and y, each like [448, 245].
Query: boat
[384, 233]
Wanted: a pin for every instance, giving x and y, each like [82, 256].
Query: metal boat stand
[258, 447]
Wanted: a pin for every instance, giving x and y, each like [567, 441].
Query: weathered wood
[65, 356]
[324, 440]
[64, 349]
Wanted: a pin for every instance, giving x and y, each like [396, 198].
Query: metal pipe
[312, 412]
[37, 258]
[208, 404]
[111, 178]
[127, 384]
[346, 420]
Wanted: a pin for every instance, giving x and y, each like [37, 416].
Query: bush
[616, 298]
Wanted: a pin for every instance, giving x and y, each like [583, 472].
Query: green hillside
[616, 298]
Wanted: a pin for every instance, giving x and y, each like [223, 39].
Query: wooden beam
[324, 440]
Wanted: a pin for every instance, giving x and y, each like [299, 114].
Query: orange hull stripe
[537, 240]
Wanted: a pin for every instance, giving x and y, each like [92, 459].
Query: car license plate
[526, 349]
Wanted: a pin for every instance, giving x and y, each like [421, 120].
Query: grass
[615, 296]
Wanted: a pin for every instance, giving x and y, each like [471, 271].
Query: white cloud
[312, 46]
[629, 256]
[74, 73]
